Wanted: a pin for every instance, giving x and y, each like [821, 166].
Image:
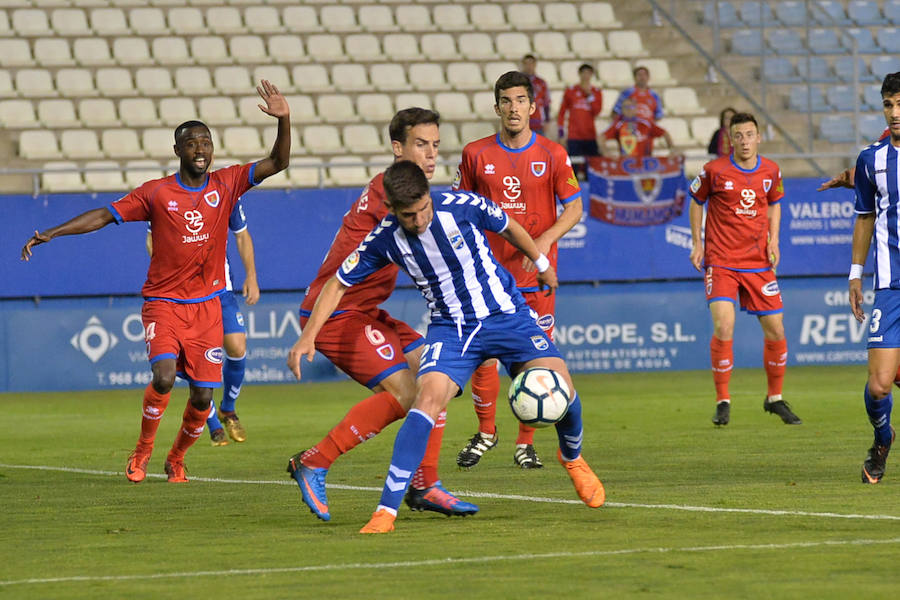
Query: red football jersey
[525, 182]
[583, 108]
[737, 226]
[365, 214]
[189, 228]
[635, 136]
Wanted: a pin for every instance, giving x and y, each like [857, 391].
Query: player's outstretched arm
[516, 235]
[91, 220]
[862, 238]
[248, 257]
[844, 179]
[276, 106]
[328, 299]
[696, 214]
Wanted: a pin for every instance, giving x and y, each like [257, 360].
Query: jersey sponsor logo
[212, 198]
[386, 352]
[748, 201]
[194, 220]
[172, 206]
[767, 185]
[709, 280]
[513, 187]
[456, 239]
[545, 322]
[538, 168]
[489, 169]
[215, 355]
[540, 342]
[350, 262]
[695, 185]
[770, 289]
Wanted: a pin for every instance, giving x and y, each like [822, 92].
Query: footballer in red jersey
[740, 252]
[369, 345]
[581, 103]
[188, 214]
[527, 175]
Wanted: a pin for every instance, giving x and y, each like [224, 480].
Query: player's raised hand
[37, 238]
[303, 347]
[844, 179]
[276, 103]
[548, 280]
[856, 299]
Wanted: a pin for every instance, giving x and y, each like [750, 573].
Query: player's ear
[497, 110]
[397, 149]
[532, 107]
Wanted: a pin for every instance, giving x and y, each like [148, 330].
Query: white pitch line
[447, 561]
[489, 495]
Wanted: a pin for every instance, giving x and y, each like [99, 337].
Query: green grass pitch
[756, 509]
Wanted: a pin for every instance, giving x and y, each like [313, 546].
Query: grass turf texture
[648, 436]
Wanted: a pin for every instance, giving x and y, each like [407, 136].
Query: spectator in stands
[649, 106]
[541, 95]
[635, 135]
[720, 142]
[583, 103]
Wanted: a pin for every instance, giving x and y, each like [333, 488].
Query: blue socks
[879, 412]
[232, 379]
[570, 431]
[409, 449]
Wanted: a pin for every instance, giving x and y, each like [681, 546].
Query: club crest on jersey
[456, 240]
[767, 185]
[540, 342]
[538, 168]
[770, 289]
[215, 355]
[351, 261]
[212, 198]
[386, 352]
[239, 317]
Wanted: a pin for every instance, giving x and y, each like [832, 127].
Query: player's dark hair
[743, 117]
[585, 67]
[404, 183]
[529, 57]
[512, 79]
[408, 118]
[181, 129]
[641, 68]
[891, 85]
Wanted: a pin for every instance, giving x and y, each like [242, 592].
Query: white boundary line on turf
[447, 561]
[472, 494]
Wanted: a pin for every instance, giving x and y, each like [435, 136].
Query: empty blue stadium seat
[865, 12]
[755, 13]
[777, 69]
[892, 11]
[843, 68]
[728, 14]
[864, 41]
[837, 129]
[830, 12]
[815, 69]
[825, 41]
[882, 65]
[871, 127]
[800, 101]
[792, 13]
[889, 39]
[843, 97]
[872, 97]
[786, 41]
[747, 42]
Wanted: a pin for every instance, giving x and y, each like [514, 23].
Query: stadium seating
[100, 113]
[816, 69]
[830, 13]
[779, 70]
[681, 101]
[803, 98]
[865, 43]
[58, 112]
[56, 179]
[843, 68]
[843, 98]
[791, 13]
[76, 82]
[105, 176]
[755, 13]
[891, 9]
[52, 52]
[678, 130]
[138, 112]
[17, 113]
[121, 143]
[837, 129]
[747, 42]
[786, 41]
[865, 12]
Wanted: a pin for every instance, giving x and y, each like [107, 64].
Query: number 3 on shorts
[876, 321]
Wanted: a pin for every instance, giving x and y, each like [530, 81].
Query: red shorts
[545, 307]
[367, 346]
[758, 291]
[189, 333]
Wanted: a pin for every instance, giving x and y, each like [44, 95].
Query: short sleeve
[134, 206]
[776, 191]
[368, 258]
[700, 186]
[865, 187]
[237, 222]
[465, 179]
[565, 184]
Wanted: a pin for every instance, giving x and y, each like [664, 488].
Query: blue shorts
[232, 319]
[884, 323]
[457, 351]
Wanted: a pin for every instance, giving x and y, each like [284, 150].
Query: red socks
[775, 359]
[362, 422]
[427, 473]
[485, 389]
[722, 357]
[154, 406]
[192, 422]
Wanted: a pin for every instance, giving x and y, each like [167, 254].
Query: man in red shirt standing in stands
[583, 103]
[649, 106]
[541, 112]
[182, 315]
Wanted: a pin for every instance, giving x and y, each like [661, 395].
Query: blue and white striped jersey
[878, 190]
[451, 262]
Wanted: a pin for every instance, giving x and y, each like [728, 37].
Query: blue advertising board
[293, 229]
[97, 343]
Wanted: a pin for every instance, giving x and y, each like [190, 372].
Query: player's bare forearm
[567, 219]
[86, 222]
[844, 179]
[248, 258]
[328, 299]
[516, 235]
[276, 106]
[774, 232]
[696, 215]
[863, 229]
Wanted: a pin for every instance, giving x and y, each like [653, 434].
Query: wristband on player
[542, 263]
[856, 271]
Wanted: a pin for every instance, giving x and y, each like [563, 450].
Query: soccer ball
[539, 397]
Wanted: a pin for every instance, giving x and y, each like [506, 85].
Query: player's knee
[235, 345]
[201, 397]
[163, 379]
[879, 387]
